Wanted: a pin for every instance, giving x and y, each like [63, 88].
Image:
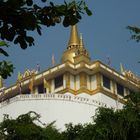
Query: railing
[61, 97]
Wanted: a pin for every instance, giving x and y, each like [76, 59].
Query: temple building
[70, 91]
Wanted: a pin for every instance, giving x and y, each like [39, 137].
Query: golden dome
[75, 47]
[69, 55]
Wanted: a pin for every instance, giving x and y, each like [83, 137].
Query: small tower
[75, 52]
[82, 54]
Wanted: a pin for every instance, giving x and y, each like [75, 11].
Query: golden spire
[76, 51]
[74, 38]
[81, 42]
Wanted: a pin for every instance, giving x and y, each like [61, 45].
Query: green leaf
[6, 69]
[135, 33]
[3, 52]
[51, 3]
[38, 30]
[36, 6]
[66, 22]
[29, 39]
[43, 0]
[3, 43]
[89, 13]
[29, 2]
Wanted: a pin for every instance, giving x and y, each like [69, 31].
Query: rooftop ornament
[27, 74]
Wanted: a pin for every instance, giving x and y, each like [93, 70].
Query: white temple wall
[61, 111]
[102, 98]
[109, 101]
[62, 108]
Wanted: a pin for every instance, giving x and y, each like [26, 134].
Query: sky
[104, 33]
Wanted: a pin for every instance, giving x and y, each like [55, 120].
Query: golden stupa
[75, 51]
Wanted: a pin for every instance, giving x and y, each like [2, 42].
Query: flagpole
[108, 61]
[122, 70]
[53, 60]
[38, 67]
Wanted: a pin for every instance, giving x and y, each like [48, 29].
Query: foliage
[3, 44]
[135, 32]
[26, 127]
[51, 133]
[19, 17]
[6, 68]
[73, 132]
[21, 128]
[26, 15]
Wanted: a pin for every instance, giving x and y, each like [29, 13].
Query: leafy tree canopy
[135, 33]
[25, 127]
[19, 17]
